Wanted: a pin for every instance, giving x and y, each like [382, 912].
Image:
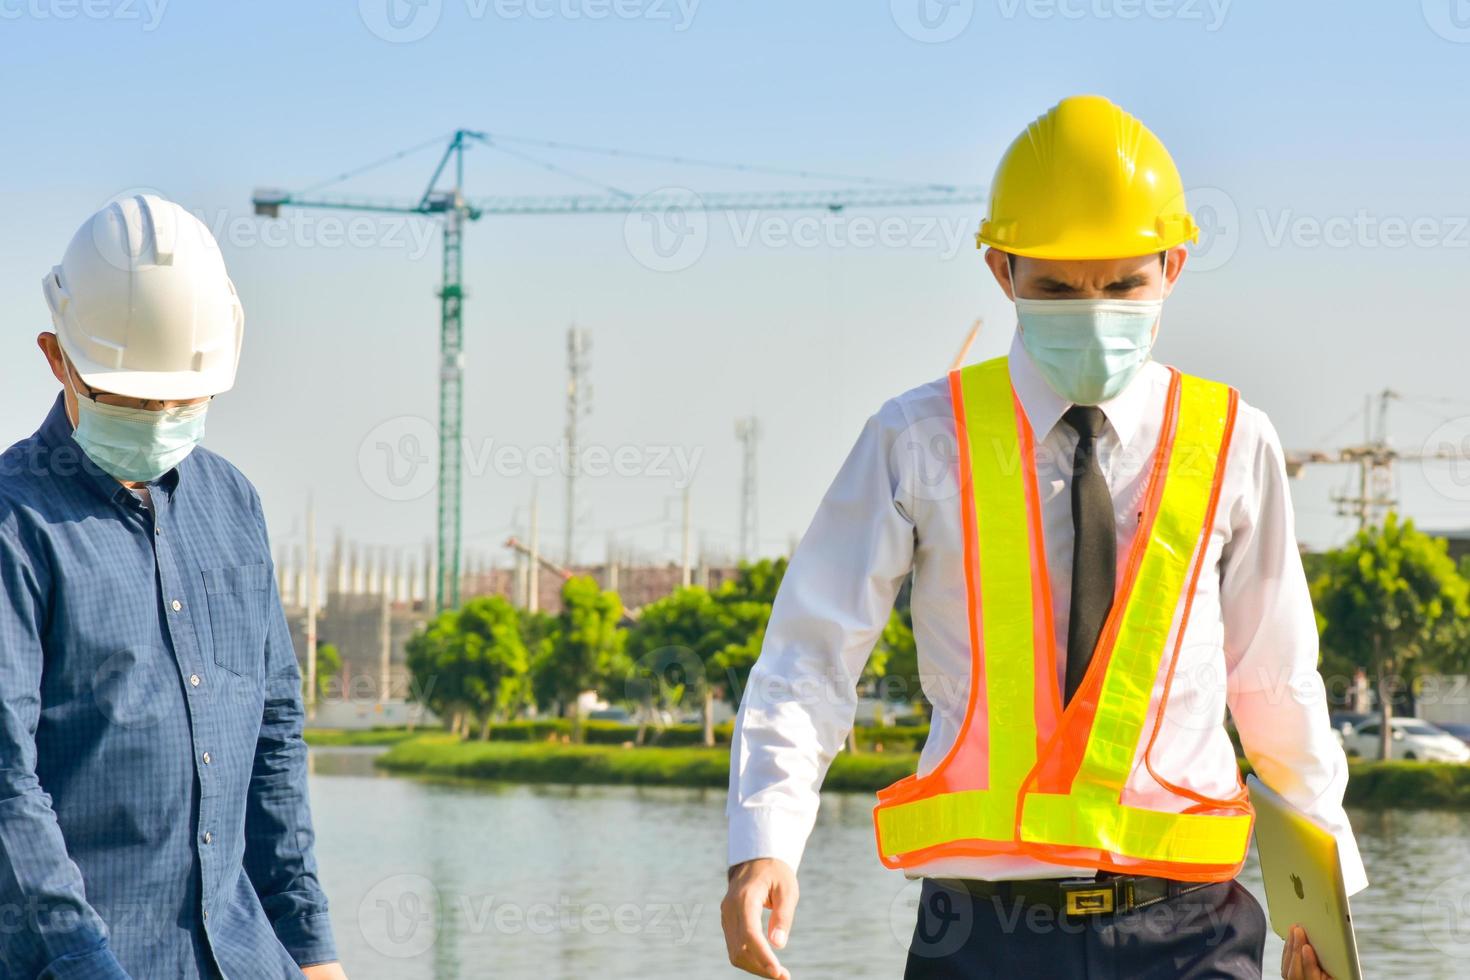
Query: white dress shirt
[1250, 643]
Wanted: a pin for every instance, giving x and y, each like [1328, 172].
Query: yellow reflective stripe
[1091, 815]
[1008, 638]
[1152, 835]
[1003, 527]
[1143, 636]
[980, 814]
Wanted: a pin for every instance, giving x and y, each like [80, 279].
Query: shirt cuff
[1354, 875]
[308, 938]
[97, 964]
[768, 832]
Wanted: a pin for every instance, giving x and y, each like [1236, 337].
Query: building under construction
[372, 600]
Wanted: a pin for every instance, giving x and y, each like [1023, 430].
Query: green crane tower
[450, 205]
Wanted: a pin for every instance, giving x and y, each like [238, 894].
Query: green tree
[695, 642]
[585, 648]
[438, 670]
[495, 660]
[1390, 603]
[471, 663]
[755, 581]
[328, 666]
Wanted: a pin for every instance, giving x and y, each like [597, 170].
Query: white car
[1413, 738]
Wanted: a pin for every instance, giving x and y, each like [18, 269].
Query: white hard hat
[143, 306]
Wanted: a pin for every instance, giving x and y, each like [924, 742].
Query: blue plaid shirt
[153, 811]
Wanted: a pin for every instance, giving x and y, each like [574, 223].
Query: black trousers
[1211, 933]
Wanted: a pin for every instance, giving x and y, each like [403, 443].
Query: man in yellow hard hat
[1102, 558]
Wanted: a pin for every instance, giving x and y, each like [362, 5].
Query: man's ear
[1174, 260]
[1000, 267]
[46, 340]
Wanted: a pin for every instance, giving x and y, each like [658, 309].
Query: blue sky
[1325, 143]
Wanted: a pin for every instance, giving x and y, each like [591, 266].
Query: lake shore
[1413, 785]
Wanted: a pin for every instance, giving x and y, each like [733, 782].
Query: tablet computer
[1304, 884]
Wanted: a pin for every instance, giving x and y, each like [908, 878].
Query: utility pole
[310, 608]
[1374, 459]
[688, 570]
[747, 430]
[533, 587]
[579, 405]
[385, 644]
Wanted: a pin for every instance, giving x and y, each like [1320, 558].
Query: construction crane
[1374, 458]
[450, 205]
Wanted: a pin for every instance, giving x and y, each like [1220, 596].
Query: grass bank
[900, 740]
[446, 757]
[335, 737]
[1370, 784]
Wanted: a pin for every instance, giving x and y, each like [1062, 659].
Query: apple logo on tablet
[1297, 884]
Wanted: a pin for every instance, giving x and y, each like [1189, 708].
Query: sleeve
[831, 608]
[49, 929]
[1275, 692]
[280, 856]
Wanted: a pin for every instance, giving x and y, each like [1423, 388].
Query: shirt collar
[1044, 408]
[56, 433]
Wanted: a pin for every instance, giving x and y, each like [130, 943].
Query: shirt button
[206, 915]
[177, 605]
[194, 680]
[206, 758]
[157, 529]
[208, 837]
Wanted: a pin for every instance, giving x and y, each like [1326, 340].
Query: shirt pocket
[237, 616]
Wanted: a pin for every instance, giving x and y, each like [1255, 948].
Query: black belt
[1106, 894]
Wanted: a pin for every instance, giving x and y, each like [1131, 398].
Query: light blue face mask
[135, 444]
[1088, 349]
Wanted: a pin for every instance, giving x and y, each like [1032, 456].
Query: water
[432, 882]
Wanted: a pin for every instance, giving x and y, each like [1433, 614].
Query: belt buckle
[1085, 897]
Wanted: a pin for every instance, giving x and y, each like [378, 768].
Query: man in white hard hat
[153, 802]
[1102, 559]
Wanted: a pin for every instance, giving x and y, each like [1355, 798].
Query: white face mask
[134, 444]
[1089, 349]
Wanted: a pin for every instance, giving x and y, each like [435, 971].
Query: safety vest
[1024, 776]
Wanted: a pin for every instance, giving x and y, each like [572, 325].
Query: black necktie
[1094, 548]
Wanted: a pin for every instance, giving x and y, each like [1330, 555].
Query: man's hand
[324, 971]
[765, 883]
[1299, 959]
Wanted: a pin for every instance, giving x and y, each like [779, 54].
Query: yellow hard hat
[1086, 181]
